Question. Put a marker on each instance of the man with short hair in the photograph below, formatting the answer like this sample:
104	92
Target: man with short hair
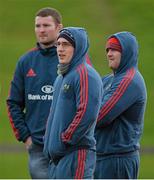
69	137
31	90
121	117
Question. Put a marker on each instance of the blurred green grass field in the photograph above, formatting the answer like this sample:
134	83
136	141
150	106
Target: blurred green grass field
101	18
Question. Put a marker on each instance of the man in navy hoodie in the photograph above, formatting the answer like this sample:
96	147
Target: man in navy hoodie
31	90
121	117
69	137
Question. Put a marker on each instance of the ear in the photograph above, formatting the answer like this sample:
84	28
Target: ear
60	26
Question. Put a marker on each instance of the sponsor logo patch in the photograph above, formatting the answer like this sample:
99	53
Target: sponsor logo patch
31	73
47	89
39	97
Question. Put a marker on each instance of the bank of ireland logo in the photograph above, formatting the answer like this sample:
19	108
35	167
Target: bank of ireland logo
48	89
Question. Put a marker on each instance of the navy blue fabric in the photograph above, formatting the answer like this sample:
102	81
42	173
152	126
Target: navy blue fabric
120	125
75	166
31	93
76	104
117	167
121	117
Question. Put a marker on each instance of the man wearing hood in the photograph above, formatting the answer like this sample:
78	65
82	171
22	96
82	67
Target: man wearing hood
69	137
120	121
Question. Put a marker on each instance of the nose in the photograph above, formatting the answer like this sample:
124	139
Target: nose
41	29
60	48
109	53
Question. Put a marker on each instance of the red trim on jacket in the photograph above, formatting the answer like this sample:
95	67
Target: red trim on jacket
117	94
33	49
67	135
81	164
88	61
16	132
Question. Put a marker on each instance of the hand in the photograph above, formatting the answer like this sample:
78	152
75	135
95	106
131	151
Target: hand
28	142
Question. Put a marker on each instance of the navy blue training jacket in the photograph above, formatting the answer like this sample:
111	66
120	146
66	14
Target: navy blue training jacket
121	117
76	103
31	93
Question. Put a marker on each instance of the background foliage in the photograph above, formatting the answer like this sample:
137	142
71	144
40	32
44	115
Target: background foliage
101	18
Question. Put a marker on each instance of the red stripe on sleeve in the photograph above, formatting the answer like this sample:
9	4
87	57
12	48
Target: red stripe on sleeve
88	61
16	132
117	94
67	135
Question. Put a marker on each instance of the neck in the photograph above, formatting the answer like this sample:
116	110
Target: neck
46	45
63	68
